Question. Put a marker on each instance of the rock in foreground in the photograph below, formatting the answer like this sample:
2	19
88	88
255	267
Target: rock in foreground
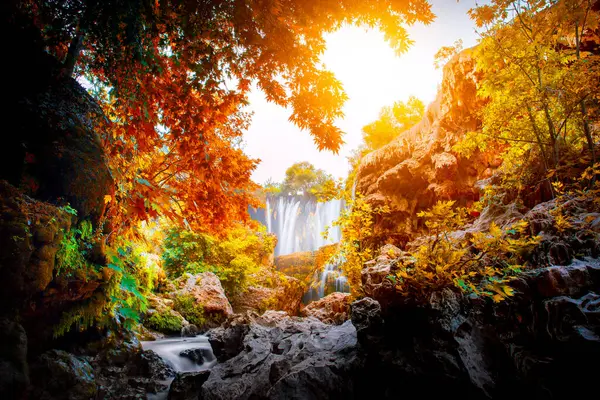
281	357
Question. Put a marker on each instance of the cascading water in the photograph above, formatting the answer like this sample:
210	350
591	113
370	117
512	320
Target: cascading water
183	354
298	222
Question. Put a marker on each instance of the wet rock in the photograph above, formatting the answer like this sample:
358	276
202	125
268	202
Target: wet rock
331	309
190	330
155	367
14	371
287	357
61	375
199	356
187	386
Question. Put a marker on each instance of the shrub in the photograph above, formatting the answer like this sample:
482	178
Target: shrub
234	258
481	264
186	305
164	321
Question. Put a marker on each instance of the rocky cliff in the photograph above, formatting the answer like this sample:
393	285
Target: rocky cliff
419	167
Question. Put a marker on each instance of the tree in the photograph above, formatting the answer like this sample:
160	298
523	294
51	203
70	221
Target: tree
537	81
392	122
173	77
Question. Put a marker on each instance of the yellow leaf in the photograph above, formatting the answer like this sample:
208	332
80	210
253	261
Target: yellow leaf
107	199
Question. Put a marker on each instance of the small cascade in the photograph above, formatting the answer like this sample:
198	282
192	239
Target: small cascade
332	279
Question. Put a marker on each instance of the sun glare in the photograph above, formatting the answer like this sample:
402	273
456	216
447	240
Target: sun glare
374	76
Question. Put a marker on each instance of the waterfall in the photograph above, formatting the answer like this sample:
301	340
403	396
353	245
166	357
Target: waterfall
298	222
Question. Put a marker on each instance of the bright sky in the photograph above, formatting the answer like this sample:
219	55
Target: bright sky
373	77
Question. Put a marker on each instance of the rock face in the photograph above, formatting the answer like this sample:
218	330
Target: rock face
331	309
277	292
61	375
419	167
528	346
281	357
54	151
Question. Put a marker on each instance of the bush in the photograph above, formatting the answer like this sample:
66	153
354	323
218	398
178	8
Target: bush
165	321
233	258
481	264
187	307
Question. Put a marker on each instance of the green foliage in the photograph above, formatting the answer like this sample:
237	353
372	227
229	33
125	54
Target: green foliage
187	307
392	122
304	177
73	248
164	321
481	263
356	223
234	258
539	86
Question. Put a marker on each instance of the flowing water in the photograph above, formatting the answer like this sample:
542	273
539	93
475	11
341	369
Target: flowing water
298	222
170	349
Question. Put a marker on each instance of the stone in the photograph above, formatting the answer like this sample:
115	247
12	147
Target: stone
14	371
331	309
190	330
288	358
199	356
187	385
207	292
60	375
155	367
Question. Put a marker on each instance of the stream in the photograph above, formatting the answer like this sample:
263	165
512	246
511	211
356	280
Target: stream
199	357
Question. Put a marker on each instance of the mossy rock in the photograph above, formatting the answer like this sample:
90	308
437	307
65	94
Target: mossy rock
165	321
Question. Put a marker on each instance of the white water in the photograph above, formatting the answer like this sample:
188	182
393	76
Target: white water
169	349
299	222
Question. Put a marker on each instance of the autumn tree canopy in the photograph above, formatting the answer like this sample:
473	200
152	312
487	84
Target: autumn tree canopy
393	120
173	78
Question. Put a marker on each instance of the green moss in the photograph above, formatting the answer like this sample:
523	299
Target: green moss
194	313
165	322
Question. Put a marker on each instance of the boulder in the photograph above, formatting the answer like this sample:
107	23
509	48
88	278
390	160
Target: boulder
161	317
281	357
199	356
207	292
155	367
190	330
331	309
187	385
61	375
14	371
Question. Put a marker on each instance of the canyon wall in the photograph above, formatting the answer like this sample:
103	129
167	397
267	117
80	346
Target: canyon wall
419	167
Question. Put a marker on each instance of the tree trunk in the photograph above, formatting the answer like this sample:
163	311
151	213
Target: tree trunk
586	124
